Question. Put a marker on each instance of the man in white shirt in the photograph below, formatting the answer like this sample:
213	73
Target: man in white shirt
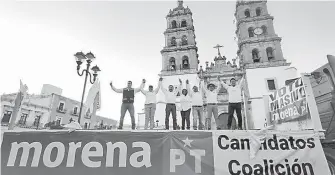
234	99
170	97
150	104
197	106
128	101
185	102
212	103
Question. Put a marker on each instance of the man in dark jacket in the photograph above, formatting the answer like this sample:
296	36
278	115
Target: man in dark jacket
128	101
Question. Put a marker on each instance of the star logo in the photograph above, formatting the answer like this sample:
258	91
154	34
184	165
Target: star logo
187	142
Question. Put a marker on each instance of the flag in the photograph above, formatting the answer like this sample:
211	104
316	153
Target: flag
93	99
23	88
17	104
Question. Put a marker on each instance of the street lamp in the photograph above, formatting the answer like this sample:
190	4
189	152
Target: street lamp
89	57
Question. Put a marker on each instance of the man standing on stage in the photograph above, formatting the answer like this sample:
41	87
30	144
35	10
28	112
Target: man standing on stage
128	101
235	99
170	97
150	104
212	103
197	106
185	103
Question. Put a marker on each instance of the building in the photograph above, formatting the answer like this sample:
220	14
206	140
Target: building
261	57
260	61
322	81
35	110
179	56
38	110
225	70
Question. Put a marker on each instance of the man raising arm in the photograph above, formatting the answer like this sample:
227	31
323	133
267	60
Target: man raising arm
128	101
170	97
234	99
150	104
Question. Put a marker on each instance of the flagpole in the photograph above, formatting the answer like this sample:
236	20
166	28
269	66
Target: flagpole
16	109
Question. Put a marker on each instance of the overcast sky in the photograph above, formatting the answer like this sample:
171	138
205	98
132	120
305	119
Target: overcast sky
38	41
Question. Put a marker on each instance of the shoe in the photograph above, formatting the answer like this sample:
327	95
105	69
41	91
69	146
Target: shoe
240	128
119	128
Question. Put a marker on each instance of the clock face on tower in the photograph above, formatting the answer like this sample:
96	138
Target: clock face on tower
258	31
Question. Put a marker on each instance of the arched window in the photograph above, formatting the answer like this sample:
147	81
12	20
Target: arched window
183	23
255	55
258	11
186	64
265	32
184	40
269	53
173	41
247	13
251	31
172	62
174	24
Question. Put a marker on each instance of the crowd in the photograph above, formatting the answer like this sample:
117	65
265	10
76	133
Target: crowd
189	100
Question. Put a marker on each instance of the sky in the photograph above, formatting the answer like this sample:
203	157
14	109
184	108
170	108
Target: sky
39	38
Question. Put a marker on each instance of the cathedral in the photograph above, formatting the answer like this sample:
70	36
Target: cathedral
259	60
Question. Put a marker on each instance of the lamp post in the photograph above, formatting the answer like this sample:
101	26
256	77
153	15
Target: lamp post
89	57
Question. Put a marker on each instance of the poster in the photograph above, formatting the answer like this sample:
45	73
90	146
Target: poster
288	104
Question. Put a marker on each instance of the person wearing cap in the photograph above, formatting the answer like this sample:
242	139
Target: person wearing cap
235	100
150	104
170	97
197	106
185	102
128	101
211	93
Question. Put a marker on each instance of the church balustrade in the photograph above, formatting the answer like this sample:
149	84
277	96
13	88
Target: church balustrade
273	63
178	71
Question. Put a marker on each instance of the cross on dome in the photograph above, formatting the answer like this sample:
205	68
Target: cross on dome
218	47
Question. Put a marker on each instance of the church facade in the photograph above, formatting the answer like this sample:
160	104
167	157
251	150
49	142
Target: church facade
259	56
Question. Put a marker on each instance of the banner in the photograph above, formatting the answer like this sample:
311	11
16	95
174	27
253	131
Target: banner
271	153
162	153
288	104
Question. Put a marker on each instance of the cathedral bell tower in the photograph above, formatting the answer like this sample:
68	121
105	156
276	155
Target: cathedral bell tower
179	56
261	57
258	43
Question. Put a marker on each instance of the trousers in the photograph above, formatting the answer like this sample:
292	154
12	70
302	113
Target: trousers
170	108
149	110
197	113
185	117
130	108
212	110
231	108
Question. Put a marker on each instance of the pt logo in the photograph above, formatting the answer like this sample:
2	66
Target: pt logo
178	157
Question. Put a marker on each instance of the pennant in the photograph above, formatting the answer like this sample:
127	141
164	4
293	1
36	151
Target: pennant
17	104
